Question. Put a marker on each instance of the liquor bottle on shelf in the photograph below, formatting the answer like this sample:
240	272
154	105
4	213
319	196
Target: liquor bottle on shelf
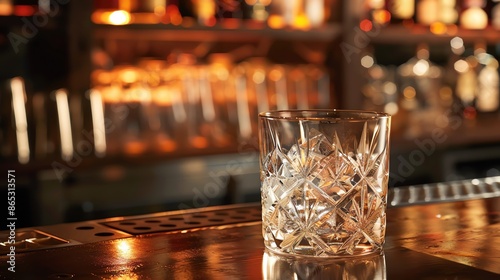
448	12
427	12
447	94
315	12
466	85
205	11
258	9
487	99
379	89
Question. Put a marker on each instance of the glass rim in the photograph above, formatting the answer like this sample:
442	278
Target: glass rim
324	114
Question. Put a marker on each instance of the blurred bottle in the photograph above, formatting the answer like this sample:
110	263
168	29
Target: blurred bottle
466	85
379	90
316	12
205	11
424	76
258	9
448	13
487	99
427	12
448	93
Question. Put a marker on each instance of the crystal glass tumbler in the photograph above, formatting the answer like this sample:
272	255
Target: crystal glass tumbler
324	178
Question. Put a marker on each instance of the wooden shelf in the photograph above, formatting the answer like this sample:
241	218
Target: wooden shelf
398	34
220	32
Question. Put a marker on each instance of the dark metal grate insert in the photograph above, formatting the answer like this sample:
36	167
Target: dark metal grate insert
188	220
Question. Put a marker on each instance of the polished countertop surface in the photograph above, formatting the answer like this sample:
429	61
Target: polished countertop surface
457	239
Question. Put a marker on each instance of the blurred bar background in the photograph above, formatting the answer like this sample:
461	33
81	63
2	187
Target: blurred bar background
128	107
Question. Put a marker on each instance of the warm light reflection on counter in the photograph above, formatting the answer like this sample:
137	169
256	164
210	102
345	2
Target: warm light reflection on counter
125	249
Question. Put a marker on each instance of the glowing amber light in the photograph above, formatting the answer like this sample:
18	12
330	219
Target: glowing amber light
409	93
276	22
166	145
199	142
173	15
438	28
118	18
123	248
452	29
301	22
366	25
381	16
135	147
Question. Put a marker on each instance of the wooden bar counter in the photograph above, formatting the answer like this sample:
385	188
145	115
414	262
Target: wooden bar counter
440	231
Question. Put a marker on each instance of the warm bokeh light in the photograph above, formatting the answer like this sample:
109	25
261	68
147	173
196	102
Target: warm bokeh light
390	88
135	148
474	18
6	9
421	67
366	25
461	66
199	142
367	61
123	248
381	16
438	28
452	29
276	21
118	18
409	92
301	22
391	108
457	45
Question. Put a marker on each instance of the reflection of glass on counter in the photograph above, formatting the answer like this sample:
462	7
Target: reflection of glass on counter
280	267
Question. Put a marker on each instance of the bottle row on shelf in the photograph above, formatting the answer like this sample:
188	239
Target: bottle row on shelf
466	86
276	13
156	107
468	14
